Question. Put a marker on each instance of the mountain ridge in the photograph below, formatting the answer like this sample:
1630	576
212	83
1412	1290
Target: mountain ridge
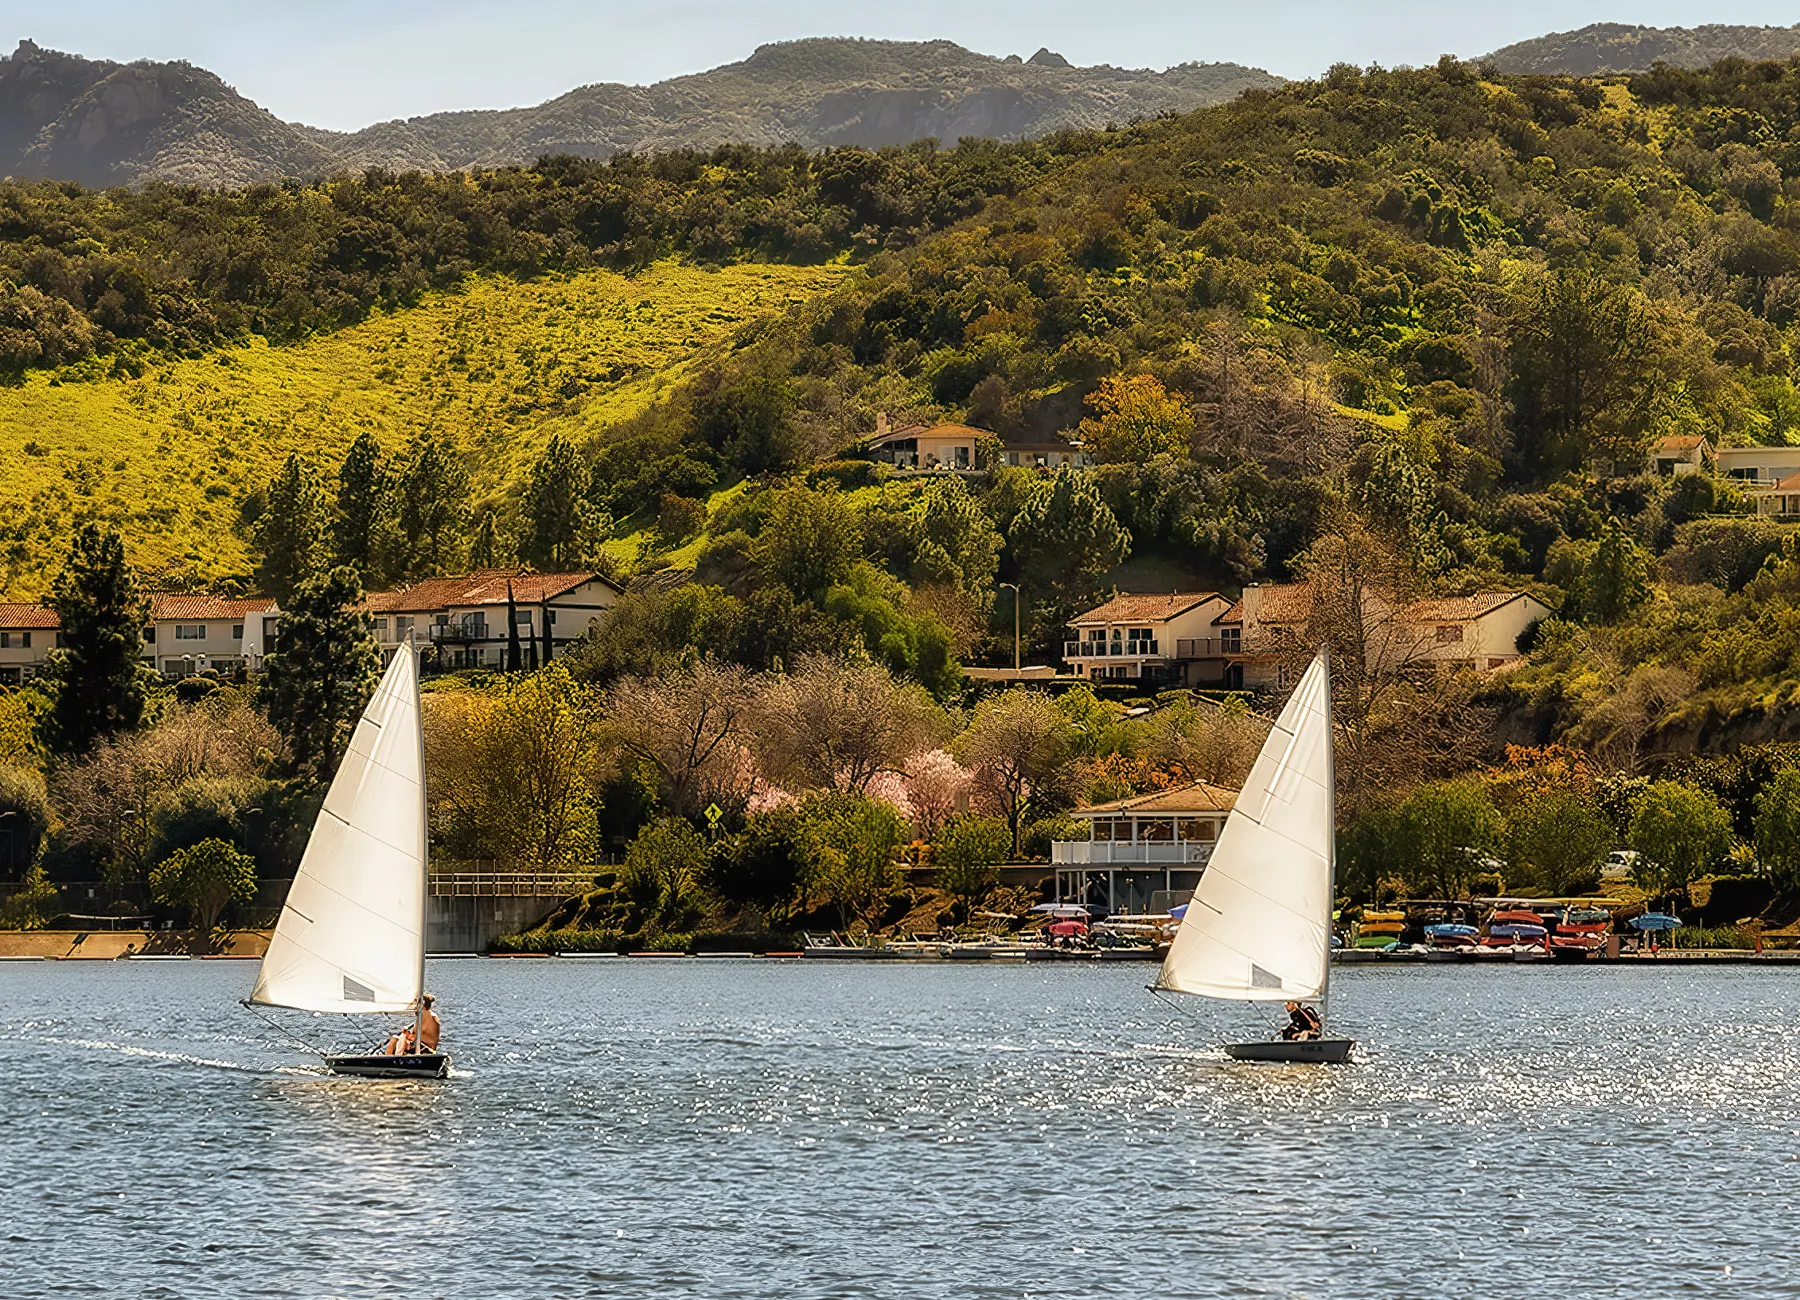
100	123
1601	48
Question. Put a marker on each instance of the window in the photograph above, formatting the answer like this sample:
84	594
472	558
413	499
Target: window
1196	831
381	628
190	631
1103	830
1139	634
522	617
1231	640
1157	831
550	617
5	640
403	623
150	633
237	631
1449	635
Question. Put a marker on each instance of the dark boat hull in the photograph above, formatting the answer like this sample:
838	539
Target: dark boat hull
1305	1051
422	1065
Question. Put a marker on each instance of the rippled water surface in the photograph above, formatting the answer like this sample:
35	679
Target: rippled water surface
796	1129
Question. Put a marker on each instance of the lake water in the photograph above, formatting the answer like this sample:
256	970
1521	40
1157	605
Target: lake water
797	1129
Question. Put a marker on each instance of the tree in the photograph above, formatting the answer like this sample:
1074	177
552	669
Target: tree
1136	418
205	878
1018	745
835	724
1065	539
967	854
764	865
750	422
691	727
486	549
98	684
808	543
433	492
363	498
1778	827
293	531
1604	579
514	771
513	657
314	688
1679	833
856	863
24	819
1449	826
1560	840
663	875
958	545
553	500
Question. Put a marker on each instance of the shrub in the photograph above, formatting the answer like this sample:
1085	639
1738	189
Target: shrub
968	852
204	878
560	940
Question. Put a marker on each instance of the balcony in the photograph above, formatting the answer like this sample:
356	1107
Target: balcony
1109	853
465	633
1207	647
1112	649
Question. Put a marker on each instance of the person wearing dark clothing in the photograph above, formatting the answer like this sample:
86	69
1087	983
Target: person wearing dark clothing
1303	1022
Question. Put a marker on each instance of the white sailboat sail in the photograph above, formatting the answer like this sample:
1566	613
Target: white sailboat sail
1259	926
352	934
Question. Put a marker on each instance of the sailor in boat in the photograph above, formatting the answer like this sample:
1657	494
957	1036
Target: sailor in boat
1303	1023
405	1044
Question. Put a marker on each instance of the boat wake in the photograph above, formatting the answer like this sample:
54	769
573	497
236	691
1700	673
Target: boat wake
181	1058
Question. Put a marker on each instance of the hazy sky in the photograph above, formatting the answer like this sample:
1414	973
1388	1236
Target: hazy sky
340	64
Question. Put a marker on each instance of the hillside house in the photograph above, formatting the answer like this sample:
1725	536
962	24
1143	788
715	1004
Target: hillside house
1145	853
1754	467
191	634
1044	453
1267	631
935	448
27	635
465	617
1166	640
1777	500
1684	453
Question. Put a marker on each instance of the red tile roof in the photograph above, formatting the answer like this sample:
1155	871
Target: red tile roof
1284	602
27	616
1200	796
1681	442
1150	608
165	605
1457	609
1789	484
483	587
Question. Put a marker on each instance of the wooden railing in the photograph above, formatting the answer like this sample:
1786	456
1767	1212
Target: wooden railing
510	884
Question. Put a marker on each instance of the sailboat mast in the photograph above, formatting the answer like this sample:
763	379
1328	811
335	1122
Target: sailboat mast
1330	836
425	846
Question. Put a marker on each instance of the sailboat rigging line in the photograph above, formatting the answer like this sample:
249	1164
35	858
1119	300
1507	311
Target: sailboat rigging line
283	1030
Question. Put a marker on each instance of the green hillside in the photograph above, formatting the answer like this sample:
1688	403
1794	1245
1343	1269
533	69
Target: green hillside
497	369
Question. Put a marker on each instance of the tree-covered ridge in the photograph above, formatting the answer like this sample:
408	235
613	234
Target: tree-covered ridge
85	273
1625	47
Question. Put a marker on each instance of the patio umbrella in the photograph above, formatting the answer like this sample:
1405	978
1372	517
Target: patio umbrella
1070	910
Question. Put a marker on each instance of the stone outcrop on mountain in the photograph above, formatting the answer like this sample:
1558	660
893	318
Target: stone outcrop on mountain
67	118
1620	47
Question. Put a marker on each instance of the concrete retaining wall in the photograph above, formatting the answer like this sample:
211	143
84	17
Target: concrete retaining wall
471	924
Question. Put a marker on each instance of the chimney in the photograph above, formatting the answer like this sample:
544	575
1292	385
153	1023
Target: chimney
881	424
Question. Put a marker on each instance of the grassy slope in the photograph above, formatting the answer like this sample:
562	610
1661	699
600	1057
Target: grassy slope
497	369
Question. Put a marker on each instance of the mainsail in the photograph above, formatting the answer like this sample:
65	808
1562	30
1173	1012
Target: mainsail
352	935
1259	926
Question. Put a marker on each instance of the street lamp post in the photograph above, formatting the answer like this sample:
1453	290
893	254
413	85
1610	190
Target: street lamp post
1015	592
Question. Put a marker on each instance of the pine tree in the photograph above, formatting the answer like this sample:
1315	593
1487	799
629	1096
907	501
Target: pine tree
433	510
315	686
291	532
1065	539
485	551
362	505
99	684
553	507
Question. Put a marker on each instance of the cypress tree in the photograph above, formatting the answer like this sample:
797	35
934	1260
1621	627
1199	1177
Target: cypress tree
362	504
292	530
315	686
100	686
512	631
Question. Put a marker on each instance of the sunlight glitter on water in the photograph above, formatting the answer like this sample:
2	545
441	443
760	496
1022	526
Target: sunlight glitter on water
752	1129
